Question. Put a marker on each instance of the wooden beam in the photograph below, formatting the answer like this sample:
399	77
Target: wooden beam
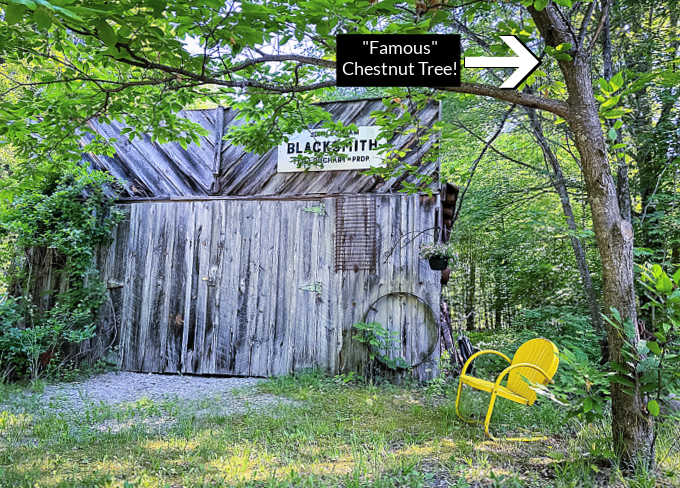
304	196
217	155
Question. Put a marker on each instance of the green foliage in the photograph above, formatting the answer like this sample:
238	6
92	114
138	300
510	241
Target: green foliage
438	385
380	343
584	385
513	243
69	214
560	52
662	353
351	377
569	327
11	355
650	367
65	217
398	118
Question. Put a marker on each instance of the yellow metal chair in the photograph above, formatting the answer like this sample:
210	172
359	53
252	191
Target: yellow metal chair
536	360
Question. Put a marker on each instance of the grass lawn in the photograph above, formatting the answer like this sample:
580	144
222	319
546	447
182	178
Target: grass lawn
333	435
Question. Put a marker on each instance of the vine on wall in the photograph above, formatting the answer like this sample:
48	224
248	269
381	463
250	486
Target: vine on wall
51	230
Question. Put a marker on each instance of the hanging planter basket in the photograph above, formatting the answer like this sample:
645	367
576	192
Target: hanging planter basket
438	263
437	254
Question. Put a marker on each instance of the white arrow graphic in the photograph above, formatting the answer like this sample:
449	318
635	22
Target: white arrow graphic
525	62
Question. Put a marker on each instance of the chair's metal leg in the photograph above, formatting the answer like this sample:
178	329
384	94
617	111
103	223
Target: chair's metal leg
487	421
460	387
489	413
458	395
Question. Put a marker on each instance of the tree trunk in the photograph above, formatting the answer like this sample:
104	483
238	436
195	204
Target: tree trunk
470	293
622	183
497	307
560	186
632	429
445	324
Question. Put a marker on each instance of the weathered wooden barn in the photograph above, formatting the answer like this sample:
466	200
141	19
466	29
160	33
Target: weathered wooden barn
226	265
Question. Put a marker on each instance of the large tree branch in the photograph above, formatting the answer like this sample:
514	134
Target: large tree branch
556	107
603	18
553	28
279	58
584	25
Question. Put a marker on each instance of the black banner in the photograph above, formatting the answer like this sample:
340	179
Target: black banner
398	60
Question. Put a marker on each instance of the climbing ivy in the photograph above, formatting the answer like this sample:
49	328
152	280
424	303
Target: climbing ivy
63	216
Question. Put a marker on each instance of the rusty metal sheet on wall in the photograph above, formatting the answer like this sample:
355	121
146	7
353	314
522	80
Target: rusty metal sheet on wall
355	233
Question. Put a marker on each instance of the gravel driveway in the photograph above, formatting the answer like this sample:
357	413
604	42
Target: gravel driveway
120	387
147	399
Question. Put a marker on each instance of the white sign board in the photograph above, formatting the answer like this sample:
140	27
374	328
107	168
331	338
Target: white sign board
361	153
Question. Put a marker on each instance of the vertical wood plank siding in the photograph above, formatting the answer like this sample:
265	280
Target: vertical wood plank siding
248	287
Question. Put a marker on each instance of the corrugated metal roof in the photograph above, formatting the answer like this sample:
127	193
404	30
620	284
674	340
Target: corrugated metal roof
149	169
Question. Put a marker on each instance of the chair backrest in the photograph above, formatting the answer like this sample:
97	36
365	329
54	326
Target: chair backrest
543	354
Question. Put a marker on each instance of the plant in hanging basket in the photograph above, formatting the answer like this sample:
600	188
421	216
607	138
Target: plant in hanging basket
438	263
438	255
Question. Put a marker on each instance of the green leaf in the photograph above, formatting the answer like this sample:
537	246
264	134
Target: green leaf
641	347
159	5
617	81
653	408
540	4
106	33
42	17
587	404
604	85
629	330
13	13
564	3
664	284
676	277
653	346
65	12
609	103
612	134
615	113
622	380
30	4
648	364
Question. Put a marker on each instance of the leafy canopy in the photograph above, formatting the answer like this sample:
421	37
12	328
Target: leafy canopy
69	61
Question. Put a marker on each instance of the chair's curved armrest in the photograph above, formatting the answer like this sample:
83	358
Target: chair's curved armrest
479	353
507	371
